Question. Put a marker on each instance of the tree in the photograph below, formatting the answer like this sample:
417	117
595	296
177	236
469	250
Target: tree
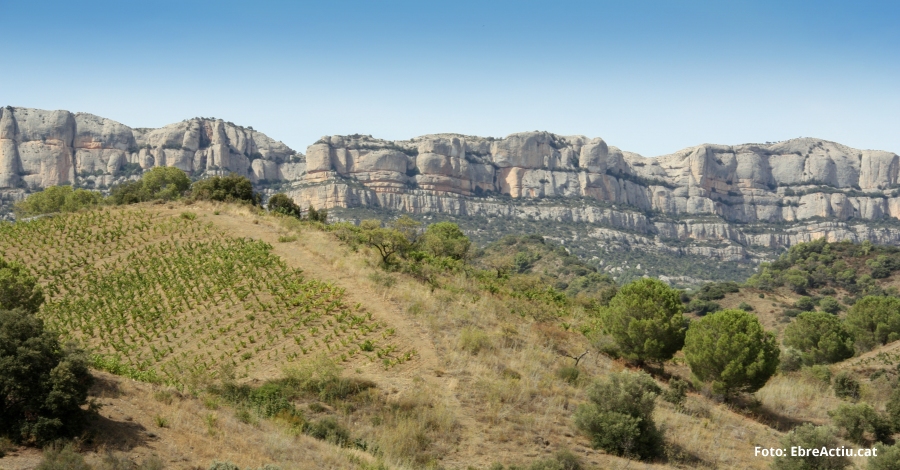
225	188
42	385
57	199
874	321
165	182
445	239
731	350
820	337
18	288
386	241
809	436
618	416
646	321
282	204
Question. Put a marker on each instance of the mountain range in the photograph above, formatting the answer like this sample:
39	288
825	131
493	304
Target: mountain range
709	205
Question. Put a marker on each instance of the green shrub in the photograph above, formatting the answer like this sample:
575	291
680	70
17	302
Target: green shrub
829	305
809	436
445	239
328	429
18	288
858	419
231	188
874	321
887	458
646	321
62	458
820	337
702	307
676	393
745	307
731	350
563	460
6	446
57	199
282	204
619	415
805	304
42	385
893	408
165	182
845	386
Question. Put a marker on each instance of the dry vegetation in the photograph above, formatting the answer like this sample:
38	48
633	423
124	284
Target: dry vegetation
487	382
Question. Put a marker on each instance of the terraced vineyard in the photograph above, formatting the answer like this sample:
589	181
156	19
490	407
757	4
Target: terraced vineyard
170	299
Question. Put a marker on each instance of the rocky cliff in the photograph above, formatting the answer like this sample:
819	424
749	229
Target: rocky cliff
737	203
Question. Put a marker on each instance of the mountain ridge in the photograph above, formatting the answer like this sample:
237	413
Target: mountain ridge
737	203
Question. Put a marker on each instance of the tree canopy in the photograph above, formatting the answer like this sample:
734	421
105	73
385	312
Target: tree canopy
730	349
820	337
646	321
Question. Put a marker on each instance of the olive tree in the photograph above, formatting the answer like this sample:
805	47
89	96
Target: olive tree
646	321
730	350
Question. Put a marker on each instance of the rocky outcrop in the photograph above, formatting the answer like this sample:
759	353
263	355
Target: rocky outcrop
44	148
726	202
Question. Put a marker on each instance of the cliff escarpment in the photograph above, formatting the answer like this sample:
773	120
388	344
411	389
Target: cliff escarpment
734	203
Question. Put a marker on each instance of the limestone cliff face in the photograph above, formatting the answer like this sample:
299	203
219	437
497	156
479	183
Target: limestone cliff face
44	148
738	198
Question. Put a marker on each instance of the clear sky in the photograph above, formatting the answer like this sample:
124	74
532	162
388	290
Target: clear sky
647	76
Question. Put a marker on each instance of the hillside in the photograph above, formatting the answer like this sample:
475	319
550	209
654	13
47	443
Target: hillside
710	212
451	403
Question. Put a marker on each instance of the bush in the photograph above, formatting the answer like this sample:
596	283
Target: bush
473	340
820	337
677	392
62	458
859	419
845	386
703	307
563	460
893	408
887	458
569	374
42	385
619	415
829	305
445	239
231	188
874	321
282	204
809	436
328	429
160	182
646	321
745	307
805	304
165	182
730	349
18	288
57	199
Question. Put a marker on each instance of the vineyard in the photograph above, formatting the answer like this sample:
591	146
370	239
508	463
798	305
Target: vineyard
170	299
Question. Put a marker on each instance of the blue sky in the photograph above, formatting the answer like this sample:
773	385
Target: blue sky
647	76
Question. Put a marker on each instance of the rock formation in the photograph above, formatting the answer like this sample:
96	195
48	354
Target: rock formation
742	199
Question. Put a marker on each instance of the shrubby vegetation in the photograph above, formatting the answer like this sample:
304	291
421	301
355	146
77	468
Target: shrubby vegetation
874	321
231	188
42	383
820	337
809	436
57	199
619	415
